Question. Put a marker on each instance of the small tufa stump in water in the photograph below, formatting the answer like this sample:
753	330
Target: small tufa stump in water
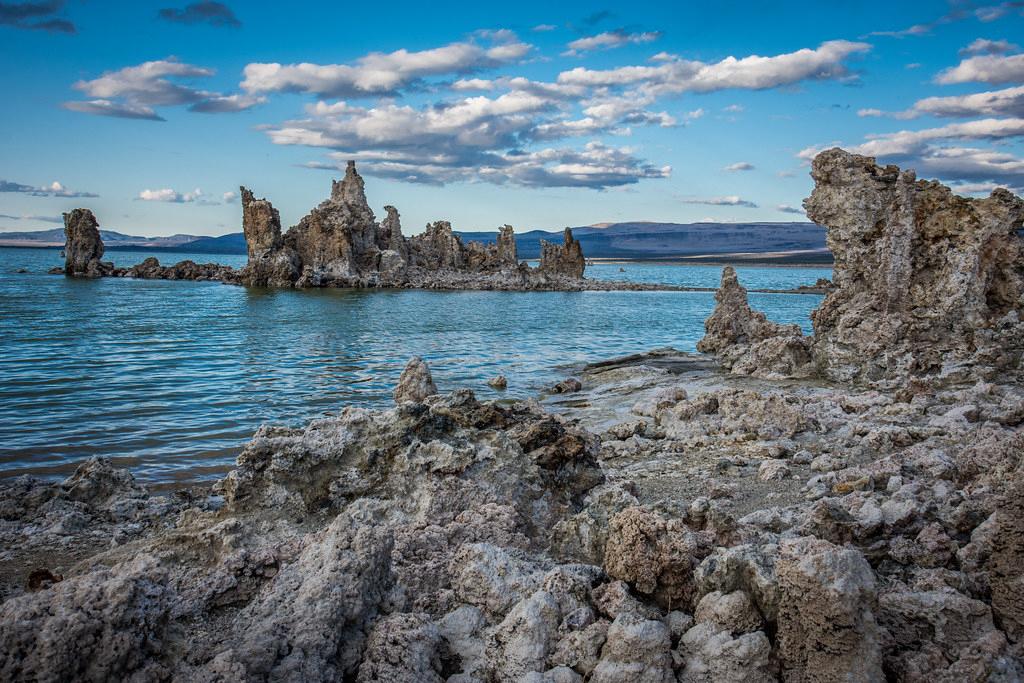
416	383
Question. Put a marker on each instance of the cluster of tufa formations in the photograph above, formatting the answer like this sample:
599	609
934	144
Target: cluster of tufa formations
657	520
340	244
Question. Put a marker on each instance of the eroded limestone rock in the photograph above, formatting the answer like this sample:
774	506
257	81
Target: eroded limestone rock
562	259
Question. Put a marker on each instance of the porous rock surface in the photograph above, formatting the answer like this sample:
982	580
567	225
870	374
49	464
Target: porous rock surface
83	246
340	244
928	286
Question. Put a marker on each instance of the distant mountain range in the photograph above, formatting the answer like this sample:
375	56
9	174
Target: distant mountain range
637	240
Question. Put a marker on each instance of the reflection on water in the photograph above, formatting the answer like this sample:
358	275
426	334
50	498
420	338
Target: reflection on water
171	378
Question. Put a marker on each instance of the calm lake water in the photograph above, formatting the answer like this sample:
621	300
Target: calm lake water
172	378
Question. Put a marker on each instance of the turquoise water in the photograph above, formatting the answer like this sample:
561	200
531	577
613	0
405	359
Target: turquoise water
171	378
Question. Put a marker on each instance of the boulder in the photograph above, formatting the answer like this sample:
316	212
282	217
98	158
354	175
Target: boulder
416	383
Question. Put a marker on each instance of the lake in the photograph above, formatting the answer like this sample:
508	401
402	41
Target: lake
172	378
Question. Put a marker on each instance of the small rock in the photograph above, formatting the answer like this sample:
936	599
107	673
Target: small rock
498	382
416	383
567	386
773	470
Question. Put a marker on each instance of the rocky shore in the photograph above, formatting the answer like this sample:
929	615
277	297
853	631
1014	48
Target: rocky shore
845	507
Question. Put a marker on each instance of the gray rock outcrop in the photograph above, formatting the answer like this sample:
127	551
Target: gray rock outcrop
340	244
564	259
928	286
83	247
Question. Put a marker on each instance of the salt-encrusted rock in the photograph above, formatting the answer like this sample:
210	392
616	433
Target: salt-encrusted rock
109	624
746	342
269	262
734	612
1006	563
713	654
525	638
927	283
498	382
406	648
826	627
564	259
83	246
416	383
635	649
654	555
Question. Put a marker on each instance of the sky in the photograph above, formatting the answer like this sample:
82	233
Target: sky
537	114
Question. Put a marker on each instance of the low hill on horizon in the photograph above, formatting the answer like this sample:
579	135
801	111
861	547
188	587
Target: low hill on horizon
628	240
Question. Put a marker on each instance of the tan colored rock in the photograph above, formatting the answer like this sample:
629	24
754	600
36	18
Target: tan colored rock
416	383
655	555
746	342
565	259
927	283
826	628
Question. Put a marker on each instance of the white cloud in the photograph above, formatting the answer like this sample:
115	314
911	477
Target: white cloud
733	108
473	84
172	197
786	208
543	28
54	189
133	91
33	217
752	73
596	166
610	40
229	197
729	200
219	104
739	166
992	69
1006	102
981	188
120	110
380	73
982	46
925	151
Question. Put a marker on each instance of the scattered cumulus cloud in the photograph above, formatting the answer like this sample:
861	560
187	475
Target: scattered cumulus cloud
982	46
543	28
939	152
739	166
172	197
729	200
133	91
35	16
989	68
733	108
786	208
1006	102
212	13
958	12
32	217
609	40
54	189
229	197
380	73
826	62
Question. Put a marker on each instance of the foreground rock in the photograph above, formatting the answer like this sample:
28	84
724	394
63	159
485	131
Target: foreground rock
928	286
448	539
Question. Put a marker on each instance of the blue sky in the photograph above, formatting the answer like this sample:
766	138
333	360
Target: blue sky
539	115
